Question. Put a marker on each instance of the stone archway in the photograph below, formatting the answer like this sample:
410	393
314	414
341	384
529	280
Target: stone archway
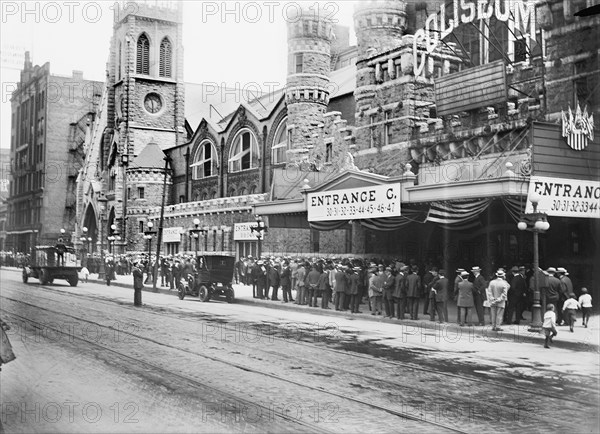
90	221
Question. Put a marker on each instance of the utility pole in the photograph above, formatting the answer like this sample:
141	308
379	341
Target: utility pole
160	223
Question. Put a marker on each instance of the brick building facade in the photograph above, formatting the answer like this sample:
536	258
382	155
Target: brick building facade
51	116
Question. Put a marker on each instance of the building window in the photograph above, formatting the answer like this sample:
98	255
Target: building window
387	128
299	58
280	144
181	198
143	55
119	60
128	192
140	192
372	136
141	226
165	58
244	152
205	161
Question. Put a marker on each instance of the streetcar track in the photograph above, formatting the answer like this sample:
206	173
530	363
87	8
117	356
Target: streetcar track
404	365
374	380
314	428
389	410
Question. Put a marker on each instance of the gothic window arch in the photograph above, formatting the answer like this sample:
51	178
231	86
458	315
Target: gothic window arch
143	55
280	143
244	151
166	58
205	161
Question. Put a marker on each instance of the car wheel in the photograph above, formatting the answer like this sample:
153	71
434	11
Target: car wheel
43	277
180	291
73	281
203	293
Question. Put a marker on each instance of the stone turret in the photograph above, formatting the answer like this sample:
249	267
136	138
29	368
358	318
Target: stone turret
308	85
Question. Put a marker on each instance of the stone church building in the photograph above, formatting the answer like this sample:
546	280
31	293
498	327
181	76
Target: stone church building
440	121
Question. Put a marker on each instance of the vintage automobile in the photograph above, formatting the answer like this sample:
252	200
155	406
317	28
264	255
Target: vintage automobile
52	262
213	279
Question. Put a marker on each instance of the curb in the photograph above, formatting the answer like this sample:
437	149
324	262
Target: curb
517	334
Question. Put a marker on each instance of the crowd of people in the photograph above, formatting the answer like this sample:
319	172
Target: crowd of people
394	289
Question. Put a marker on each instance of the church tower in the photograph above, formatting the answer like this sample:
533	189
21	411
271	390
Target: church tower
145	107
307	90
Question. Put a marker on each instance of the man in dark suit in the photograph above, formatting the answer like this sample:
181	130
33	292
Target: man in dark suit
400	290
479	285
285	279
340	287
138	284
440	299
413	292
519	283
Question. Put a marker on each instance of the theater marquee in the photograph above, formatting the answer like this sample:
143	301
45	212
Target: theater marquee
565	197
354	204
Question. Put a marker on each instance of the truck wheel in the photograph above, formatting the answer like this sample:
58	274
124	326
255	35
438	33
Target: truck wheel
203	294
73	280
230	295
25	276
43	277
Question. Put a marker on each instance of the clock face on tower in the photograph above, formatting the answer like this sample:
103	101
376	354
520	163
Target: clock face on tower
153	103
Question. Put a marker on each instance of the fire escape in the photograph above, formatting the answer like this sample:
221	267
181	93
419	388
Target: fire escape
79	130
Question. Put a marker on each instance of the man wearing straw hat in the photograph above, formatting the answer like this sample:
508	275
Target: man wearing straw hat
497	293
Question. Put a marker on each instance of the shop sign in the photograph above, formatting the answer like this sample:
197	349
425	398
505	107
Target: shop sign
357	203
172	235
578	129
481	86
242	232
563	197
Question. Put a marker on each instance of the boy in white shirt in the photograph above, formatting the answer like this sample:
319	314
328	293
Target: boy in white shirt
585	301
570	310
549	325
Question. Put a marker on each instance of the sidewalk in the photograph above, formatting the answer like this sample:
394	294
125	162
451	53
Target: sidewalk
581	339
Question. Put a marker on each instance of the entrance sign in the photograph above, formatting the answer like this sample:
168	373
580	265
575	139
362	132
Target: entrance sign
565	197
438	26
172	235
353	204
242	232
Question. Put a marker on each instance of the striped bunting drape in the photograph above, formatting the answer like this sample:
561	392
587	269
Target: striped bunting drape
457	215
514	207
328	225
392	223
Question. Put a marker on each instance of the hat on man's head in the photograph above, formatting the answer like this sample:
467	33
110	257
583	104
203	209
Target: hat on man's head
460	270
442	272
562	270
515	269
464	274
500	272
551	270
476	269
522	267
388	268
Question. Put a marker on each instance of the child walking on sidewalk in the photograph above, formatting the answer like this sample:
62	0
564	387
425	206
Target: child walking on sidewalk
585	301
570	310
549	325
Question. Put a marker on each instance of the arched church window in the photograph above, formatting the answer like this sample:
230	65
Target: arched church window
280	144
244	152
165	58
143	55
205	161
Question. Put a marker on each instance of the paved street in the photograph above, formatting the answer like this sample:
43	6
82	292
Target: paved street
88	361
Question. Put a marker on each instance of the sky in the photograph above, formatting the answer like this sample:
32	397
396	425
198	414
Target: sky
229	43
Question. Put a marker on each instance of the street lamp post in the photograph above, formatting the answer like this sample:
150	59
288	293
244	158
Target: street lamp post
195	233
148	235
536	222
112	238
85	242
102	201
259	228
